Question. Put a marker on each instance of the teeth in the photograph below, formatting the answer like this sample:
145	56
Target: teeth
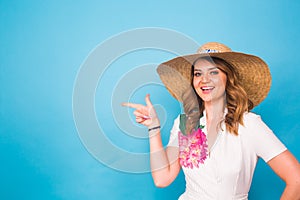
207	88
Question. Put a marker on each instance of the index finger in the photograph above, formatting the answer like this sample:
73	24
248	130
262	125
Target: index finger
132	105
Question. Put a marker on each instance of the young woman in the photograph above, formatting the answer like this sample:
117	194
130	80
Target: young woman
217	141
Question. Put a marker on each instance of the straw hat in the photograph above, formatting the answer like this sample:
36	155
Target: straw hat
253	73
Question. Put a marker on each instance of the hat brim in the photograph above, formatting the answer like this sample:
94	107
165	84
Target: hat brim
253	73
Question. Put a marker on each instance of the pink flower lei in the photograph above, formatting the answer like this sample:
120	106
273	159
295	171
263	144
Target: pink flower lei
192	146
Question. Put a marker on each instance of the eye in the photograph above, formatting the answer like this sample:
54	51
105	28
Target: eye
197	74
214	72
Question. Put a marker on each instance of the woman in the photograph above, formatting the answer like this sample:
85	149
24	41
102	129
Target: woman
218	140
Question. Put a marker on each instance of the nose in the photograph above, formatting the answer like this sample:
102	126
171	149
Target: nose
205	78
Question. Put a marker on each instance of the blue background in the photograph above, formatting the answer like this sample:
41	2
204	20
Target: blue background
44	43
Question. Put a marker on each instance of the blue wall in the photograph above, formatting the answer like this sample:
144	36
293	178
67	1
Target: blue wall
44	49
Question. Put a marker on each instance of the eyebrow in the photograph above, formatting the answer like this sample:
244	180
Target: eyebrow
212	68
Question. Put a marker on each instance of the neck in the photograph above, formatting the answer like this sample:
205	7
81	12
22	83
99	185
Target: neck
214	110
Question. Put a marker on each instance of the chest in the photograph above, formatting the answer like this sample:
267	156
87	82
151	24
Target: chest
224	163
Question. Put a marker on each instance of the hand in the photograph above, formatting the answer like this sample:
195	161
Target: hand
145	115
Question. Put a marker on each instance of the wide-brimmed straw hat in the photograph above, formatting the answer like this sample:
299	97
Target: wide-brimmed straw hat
253	73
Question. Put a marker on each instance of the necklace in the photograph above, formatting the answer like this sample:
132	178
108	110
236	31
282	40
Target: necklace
193	148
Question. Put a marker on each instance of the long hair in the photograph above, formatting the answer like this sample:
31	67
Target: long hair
237	101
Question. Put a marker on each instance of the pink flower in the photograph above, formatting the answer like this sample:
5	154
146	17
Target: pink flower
192	148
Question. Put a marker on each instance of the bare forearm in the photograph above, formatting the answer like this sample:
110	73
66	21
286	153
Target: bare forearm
158	158
291	192
163	162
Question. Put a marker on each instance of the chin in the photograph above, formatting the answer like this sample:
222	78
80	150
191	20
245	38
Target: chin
207	99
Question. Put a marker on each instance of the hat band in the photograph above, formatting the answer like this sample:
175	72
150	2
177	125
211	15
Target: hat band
209	51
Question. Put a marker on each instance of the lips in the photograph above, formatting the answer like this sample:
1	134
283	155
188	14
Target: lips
207	88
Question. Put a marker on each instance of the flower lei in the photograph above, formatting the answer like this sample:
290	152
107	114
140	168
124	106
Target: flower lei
192	146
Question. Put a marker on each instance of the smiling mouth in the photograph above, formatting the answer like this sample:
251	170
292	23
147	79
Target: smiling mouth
207	88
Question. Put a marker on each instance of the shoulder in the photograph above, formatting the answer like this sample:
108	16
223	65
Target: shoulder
253	124
176	122
251	116
177	119
259	137
180	116
251	119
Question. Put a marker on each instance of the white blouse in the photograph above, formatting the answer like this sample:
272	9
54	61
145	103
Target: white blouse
227	172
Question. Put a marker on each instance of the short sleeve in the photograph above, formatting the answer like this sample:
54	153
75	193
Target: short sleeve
264	142
173	140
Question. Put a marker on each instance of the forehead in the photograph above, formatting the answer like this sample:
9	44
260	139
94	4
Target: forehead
204	64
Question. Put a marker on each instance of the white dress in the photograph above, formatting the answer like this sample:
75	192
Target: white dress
227	172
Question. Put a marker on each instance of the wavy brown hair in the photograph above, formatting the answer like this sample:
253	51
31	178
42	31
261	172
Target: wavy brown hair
237	101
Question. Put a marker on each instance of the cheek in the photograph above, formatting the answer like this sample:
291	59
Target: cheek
195	82
220	81
224	81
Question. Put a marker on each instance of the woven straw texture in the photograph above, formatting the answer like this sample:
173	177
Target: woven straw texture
253	73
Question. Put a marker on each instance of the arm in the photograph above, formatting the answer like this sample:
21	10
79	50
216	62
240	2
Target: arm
286	166
164	162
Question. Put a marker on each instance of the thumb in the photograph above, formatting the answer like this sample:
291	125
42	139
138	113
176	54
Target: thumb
147	100
152	112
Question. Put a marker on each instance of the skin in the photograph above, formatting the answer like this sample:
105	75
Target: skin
207	75
165	163
209	83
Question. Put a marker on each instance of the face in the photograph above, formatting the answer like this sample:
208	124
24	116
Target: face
209	81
